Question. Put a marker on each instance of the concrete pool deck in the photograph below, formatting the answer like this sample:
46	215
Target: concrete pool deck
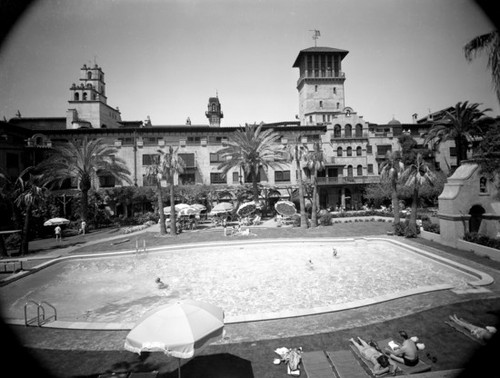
77	339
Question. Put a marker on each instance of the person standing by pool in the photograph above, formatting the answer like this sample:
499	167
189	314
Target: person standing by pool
407	353
57	231
224	225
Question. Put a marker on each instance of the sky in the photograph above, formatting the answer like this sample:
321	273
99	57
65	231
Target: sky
165	58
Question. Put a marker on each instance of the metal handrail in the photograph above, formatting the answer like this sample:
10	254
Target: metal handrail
26	321
40	313
52	307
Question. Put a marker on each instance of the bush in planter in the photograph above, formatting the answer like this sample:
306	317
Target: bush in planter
474	237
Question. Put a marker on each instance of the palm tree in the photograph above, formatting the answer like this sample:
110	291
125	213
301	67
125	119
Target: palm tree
296	151
315	161
85	161
165	166
390	170
462	124
491	43
28	191
250	149
414	176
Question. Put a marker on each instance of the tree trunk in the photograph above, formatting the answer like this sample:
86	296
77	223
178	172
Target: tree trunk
461	152
163	228
302	202
414	206
3	248
255	188
173	220
24	247
85	204
395	203
314	210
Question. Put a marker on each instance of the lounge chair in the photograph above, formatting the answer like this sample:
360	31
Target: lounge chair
317	365
346	365
421	367
465	332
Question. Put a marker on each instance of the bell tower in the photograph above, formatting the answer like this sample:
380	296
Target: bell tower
88	102
214	112
320	84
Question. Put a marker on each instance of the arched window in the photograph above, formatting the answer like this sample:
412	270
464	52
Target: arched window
321	104
349	171
348	131
359	130
360	170
214	107
358	151
339	151
89	75
337	131
349	151
84	96
77	96
93	96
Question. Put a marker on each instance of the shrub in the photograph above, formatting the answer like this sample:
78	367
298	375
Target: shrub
474	237
430	227
404	229
325	219
13	241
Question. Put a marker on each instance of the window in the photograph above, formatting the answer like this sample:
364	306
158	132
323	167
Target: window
324	117
315	88
77	96
89	75
150	159
236	178
382	150
188	160
193	141
369	149
339	151
337	131
358	151
280	176
348	131
338	105
453	151
216	158
321	104
349	151
84	96
334	90
349	171
150	140
359	130
214	139
310	119
313	138
217	178
359	169
106	181
214	107
370	168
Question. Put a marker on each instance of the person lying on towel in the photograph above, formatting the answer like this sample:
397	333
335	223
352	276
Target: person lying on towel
381	363
407	353
480	333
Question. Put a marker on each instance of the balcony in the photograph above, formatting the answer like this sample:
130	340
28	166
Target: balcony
353	137
346	180
318	74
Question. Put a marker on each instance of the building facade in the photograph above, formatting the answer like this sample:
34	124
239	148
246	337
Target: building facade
354	148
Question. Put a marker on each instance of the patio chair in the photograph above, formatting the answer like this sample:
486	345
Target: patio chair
316	364
346	365
257	220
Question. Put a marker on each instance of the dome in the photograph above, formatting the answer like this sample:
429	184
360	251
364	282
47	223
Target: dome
394	121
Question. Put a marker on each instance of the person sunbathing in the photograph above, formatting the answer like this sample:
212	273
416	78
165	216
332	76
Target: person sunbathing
480	333
381	363
407	353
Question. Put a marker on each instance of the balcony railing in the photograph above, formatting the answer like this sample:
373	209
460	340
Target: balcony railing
348	180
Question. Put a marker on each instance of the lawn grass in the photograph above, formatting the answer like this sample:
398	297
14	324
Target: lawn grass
254	359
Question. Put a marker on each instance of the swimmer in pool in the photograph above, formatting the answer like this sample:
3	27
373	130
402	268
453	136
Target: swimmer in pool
160	284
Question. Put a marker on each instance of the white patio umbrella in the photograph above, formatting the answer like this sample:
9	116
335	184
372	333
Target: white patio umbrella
56	222
198	206
285	208
222	207
181	329
246	209
177	208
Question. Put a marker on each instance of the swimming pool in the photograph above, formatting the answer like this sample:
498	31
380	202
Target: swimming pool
249	280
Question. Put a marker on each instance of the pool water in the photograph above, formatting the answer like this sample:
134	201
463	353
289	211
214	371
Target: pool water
272	278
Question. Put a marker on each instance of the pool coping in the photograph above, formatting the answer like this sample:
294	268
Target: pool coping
484	279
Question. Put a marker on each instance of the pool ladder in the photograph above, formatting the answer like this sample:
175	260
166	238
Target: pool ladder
40	318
